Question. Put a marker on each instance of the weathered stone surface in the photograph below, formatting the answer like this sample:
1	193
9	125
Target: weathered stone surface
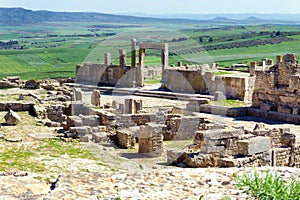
288	139
259	126
90	120
126	139
151	139
96	98
173	155
73	121
218	96
32	84
266	106
12	118
218	134
81	131
254	145
256	160
196	160
99	137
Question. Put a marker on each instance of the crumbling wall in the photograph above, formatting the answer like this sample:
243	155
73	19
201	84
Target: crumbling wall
90	73
195	81
182	80
215	146
278	88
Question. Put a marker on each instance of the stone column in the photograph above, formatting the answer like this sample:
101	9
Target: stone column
252	68
133	63
140	69
165	61
151	139
179	64
278	59
107	59
133	52
138	106
141	57
122	53
263	67
128	106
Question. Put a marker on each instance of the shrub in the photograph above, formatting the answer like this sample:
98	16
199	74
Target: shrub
268	186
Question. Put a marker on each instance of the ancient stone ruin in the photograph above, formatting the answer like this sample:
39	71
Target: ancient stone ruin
276	93
81	110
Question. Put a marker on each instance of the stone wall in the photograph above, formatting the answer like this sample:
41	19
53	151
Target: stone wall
115	75
198	81
278	88
182	128
214	146
183	80
16	106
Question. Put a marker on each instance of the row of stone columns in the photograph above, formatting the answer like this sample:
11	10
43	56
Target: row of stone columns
138	73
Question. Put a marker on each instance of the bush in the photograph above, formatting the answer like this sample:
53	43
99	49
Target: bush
268	186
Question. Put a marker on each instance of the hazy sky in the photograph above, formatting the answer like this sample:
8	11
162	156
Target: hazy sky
160	6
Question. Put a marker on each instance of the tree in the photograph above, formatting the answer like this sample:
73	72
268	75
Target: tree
200	39
210	39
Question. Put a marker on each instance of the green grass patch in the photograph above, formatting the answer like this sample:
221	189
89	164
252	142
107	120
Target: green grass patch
18	158
268	186
228	103
23	157
150	81
220	73
57	148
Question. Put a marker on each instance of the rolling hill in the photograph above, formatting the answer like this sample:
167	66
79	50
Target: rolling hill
21	16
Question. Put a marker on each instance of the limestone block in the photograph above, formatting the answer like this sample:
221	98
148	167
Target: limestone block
90	120
284	109
73	121
173	155
254	145
151	139
32	84
222	134
12	118
218	95
288	139
126	139
81	131
196	160
288	99
99	137
266	106
84	138
295	111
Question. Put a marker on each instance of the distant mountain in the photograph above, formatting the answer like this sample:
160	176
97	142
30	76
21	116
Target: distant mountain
221	19
241	16
21	16
252	18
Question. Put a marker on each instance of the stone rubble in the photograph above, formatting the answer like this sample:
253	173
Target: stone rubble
212	183
12	118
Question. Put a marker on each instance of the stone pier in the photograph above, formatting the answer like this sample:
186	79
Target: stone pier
122	53
252	68
151	139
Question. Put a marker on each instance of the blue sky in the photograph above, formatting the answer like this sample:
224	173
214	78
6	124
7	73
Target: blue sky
160	6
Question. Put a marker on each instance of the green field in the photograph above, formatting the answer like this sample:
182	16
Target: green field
51	50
